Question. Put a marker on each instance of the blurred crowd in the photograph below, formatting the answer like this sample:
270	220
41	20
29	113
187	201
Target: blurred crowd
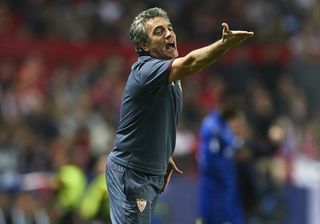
80	20
59	118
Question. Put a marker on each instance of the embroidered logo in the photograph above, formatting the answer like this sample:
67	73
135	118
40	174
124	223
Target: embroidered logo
141	203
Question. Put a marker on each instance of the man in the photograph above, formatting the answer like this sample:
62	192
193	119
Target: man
221	134
140	165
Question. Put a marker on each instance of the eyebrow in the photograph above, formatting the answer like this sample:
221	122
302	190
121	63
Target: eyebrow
168	25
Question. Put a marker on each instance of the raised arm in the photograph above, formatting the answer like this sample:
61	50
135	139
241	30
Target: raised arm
201	58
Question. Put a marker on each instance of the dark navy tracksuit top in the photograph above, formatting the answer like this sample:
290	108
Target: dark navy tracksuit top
150	110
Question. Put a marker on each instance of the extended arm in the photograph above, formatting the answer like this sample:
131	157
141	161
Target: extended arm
201	58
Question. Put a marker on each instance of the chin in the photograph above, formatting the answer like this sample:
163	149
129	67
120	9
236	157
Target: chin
173	55
176	54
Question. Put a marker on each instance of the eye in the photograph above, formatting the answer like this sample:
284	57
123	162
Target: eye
158	31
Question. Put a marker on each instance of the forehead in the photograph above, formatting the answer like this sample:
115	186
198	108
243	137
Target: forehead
155	22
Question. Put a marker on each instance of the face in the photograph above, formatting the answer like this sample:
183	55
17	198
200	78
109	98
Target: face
238	125
162	42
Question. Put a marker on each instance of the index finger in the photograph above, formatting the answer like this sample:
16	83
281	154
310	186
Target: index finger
174	166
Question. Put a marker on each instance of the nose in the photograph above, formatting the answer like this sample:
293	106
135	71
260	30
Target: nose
169	33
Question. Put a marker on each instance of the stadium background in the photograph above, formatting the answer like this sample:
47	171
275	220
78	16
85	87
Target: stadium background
63	65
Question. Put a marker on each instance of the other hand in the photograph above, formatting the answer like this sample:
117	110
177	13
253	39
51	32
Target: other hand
171	167
232	38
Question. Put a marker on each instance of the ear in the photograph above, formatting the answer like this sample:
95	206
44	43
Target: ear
145	47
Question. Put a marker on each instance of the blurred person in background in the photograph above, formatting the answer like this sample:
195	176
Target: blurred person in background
94	206
9	160
264	143
261	112
69	184
222	134
27	209
4	207
140	165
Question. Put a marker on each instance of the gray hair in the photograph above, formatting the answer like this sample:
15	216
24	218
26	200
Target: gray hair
138	32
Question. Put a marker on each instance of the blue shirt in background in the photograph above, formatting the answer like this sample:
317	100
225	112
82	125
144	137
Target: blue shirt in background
219	200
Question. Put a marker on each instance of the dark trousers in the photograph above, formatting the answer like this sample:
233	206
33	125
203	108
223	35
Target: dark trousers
133	194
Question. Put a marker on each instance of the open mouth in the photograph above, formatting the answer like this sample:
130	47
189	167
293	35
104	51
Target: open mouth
170	45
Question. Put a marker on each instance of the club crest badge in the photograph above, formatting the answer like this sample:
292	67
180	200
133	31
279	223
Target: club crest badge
141	203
